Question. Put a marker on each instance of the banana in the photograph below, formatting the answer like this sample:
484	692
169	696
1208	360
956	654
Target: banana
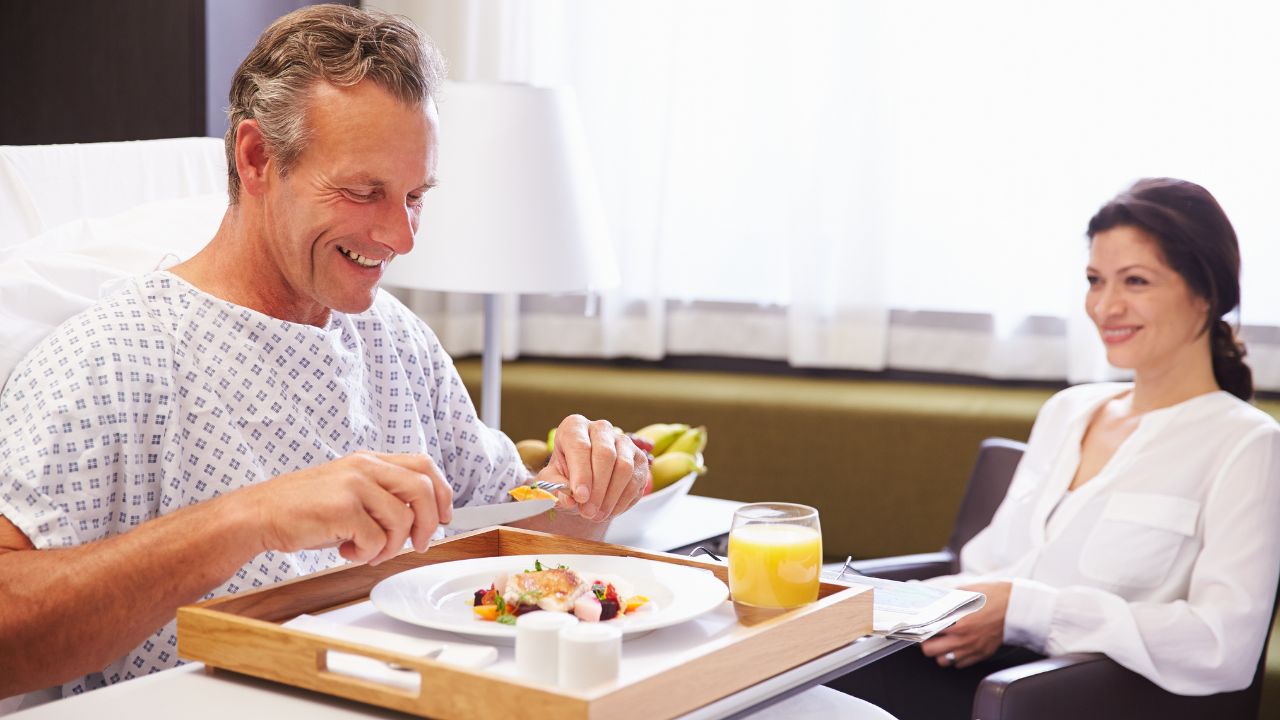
692	441
662	435
672	466
533	453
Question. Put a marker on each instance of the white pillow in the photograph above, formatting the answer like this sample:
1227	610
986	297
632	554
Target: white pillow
62	271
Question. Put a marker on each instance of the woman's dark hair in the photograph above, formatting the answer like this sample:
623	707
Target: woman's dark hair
1197	241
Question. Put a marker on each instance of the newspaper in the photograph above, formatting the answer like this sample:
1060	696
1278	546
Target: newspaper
911	610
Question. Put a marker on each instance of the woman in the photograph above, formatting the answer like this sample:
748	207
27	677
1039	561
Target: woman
1143	521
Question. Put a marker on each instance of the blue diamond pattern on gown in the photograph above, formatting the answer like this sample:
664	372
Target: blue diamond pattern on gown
162	396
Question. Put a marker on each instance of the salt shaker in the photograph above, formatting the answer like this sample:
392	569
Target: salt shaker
538	644
590	654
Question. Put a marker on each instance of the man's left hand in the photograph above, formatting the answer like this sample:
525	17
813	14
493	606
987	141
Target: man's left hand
974	637
603	471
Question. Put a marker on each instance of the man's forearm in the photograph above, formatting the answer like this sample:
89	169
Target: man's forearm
69	612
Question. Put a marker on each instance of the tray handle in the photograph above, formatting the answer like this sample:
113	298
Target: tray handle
323	673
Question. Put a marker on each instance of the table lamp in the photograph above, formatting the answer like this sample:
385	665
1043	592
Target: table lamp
516	209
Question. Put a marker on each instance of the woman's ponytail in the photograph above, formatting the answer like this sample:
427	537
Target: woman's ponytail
1229	368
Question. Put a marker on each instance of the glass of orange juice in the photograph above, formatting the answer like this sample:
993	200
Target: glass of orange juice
775	555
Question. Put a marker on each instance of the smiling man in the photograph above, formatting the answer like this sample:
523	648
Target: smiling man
262	411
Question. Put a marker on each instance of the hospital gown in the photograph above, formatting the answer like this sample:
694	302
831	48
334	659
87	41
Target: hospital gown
162	396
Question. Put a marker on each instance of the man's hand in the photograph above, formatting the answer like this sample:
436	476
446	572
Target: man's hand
603	471
975	637
366	503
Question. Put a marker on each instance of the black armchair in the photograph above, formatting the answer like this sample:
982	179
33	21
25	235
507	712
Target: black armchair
988	483
1068	687
1089	685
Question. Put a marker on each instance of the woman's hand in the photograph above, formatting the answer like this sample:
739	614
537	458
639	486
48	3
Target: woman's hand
975	637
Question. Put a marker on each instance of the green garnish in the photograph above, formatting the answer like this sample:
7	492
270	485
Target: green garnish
504	617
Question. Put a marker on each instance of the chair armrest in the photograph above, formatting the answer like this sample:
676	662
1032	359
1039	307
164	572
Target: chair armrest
906	567
1080	685
1036	689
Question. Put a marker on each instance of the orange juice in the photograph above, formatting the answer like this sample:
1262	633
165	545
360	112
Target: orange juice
774	565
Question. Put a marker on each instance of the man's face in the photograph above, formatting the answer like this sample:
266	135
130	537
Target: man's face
351	201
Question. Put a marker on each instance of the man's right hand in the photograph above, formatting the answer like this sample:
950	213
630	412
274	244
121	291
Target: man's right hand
366	503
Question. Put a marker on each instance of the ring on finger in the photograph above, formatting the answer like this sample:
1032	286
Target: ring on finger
950	657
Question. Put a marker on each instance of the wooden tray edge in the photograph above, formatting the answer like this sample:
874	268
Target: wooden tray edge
446	691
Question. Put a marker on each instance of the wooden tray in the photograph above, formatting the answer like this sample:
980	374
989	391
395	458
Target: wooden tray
242	633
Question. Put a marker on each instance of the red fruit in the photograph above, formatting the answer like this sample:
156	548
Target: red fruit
648	485
641	443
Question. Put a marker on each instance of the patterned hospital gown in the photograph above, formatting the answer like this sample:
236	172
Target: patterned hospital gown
162	396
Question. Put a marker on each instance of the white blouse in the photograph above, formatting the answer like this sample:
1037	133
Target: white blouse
1166	561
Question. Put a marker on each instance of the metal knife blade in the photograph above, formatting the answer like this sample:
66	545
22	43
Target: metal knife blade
478	516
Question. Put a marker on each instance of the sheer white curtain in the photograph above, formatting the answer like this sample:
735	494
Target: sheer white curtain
1015	121
879	183
741	226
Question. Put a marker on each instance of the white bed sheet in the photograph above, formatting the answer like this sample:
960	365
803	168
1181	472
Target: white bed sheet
45	186
76	218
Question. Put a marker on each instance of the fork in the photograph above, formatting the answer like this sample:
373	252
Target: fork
549	486
848	568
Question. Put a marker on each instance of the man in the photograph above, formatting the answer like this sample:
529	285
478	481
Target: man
260	411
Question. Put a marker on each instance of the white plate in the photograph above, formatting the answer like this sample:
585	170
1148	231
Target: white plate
440	596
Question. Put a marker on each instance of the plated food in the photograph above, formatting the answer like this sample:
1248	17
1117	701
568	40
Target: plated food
594	597
441	596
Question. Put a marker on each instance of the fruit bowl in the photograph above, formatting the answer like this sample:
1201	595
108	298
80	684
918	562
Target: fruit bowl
675	455
632	524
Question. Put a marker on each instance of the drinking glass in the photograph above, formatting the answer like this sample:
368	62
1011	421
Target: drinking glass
775	555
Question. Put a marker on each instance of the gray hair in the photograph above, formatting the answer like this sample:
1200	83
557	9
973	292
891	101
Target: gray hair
336	44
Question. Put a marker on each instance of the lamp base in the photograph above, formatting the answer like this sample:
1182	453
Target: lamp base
491	382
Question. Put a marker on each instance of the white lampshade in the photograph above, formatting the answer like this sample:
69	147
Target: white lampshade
516	209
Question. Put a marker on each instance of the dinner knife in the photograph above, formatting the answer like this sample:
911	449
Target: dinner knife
478	516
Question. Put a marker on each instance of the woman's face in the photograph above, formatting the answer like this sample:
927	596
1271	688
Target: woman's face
1146	315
